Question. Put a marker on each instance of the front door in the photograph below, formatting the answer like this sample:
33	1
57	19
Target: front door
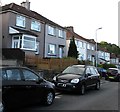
60	52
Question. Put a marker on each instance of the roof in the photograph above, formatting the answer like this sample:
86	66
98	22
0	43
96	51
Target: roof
24	31
30	13
75	35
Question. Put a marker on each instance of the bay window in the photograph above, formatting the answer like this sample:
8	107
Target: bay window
25	42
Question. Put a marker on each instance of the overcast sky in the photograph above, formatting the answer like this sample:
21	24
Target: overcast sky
84	15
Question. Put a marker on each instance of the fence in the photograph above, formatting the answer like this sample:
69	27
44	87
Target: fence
49	64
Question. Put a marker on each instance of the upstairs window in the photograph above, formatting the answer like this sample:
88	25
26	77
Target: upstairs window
88	46
35	26
51	30
20	21
60	33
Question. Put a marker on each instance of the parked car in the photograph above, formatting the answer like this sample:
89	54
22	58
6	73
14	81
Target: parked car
22	86
77	78
113	74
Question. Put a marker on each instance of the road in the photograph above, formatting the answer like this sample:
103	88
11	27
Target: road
104	99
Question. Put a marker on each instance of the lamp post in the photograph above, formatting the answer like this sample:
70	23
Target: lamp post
96	57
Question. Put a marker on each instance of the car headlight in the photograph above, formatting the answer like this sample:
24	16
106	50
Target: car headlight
75	81
54	78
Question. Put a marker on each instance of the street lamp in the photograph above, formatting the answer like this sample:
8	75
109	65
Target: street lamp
96	45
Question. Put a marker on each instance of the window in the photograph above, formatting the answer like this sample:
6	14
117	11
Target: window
51	30
88	46
60	33
26	42
29	75
29	42
35	26
81	44
88	71
37	48
84	45
3	75
16	42
51	49
77	43
20	21
13	74
92	71
93	48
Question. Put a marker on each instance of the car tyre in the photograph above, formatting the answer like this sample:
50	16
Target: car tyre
82	90
49	97
97	86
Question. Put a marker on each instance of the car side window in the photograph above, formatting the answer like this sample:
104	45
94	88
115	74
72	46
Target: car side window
92	70
2	75
29	75
13	74
88	71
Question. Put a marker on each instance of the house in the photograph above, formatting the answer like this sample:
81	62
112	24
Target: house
85	47
114	59
31	32
103	56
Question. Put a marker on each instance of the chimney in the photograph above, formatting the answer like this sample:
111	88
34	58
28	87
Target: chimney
26	4
70	28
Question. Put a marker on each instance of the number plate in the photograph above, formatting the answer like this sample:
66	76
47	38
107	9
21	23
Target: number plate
62	85
111	77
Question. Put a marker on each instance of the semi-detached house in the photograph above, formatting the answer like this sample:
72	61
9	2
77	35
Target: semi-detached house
85	47
31	32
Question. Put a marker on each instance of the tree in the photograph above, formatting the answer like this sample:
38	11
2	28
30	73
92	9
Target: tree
72	52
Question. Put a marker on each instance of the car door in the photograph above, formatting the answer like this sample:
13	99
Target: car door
12	93
88	77
94	76
34	87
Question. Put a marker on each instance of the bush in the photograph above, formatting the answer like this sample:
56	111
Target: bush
106	66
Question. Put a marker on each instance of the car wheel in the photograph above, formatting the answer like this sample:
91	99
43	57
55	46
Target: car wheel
97	86
48	100
82	90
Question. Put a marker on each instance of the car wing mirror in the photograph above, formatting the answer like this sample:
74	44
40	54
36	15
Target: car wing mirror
39	80
88	74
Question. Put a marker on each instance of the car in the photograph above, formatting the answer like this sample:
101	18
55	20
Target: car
113	74
77	78
22	86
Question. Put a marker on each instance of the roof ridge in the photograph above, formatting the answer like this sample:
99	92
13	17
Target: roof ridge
11	5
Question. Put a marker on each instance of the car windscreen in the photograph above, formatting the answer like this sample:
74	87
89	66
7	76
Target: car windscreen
74	70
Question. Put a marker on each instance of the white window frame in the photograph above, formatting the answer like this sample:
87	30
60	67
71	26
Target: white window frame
31	41
16	40
51	30
20	21
35	25
60	33
51	49
22	41
37	48
88	46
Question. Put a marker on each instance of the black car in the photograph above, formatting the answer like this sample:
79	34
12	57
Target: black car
113	74
22	86
77	78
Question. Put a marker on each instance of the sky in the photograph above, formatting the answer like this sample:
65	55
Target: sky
86	16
